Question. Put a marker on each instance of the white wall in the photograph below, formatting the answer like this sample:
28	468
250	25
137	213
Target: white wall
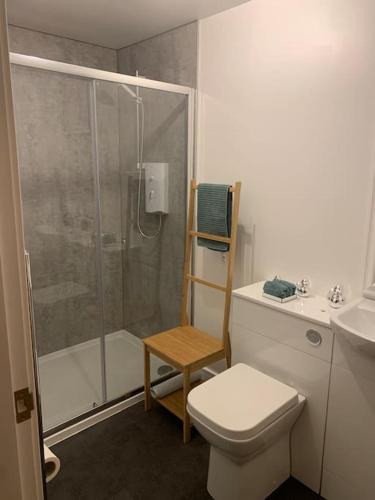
287	106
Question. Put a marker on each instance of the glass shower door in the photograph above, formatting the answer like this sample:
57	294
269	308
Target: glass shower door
106	268
142	251
57	158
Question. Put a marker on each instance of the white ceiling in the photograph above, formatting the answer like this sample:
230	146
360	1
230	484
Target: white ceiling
111	23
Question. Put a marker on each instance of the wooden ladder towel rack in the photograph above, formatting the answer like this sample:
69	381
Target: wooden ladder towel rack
185	347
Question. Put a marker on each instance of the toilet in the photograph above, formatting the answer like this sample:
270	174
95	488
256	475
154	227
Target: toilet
246	416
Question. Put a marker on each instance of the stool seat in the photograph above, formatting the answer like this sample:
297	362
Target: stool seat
186	347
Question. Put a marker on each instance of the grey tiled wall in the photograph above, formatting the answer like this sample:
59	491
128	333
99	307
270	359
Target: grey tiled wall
56	155
153	267
55	150
108	148
141	277
33	43
169	57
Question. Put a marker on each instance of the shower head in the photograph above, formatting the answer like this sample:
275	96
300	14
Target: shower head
131	93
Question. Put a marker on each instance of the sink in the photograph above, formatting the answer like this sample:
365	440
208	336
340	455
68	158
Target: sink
357	322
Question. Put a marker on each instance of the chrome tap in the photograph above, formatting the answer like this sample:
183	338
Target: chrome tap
303	287
336	296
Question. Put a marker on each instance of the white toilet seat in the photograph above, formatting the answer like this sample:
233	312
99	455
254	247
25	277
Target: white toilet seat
240	402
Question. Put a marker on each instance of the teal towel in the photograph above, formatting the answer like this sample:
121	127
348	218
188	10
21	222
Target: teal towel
276	289
214	214
291	286
279	288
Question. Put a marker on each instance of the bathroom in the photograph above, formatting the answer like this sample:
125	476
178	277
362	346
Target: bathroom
102	100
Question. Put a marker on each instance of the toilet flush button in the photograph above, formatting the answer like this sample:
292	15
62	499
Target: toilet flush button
314	337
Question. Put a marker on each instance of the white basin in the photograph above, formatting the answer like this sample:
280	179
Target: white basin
357	322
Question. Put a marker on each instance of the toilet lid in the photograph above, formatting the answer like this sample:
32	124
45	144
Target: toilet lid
240	402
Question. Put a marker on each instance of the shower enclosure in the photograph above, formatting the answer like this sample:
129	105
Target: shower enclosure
106	271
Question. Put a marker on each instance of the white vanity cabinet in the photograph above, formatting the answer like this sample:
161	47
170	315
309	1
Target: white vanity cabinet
291	342
349	456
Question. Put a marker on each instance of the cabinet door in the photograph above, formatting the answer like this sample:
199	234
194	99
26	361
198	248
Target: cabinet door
310	376
349	455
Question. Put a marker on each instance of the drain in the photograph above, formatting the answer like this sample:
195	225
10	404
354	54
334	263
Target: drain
164	369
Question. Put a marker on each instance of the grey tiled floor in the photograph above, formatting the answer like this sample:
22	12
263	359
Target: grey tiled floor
140	456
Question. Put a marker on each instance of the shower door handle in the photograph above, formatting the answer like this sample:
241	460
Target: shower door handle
30	298
28	272
37	398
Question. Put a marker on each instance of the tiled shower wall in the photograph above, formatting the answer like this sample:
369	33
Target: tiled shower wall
169	57
153	266
56	155
153	269
34	43
142	290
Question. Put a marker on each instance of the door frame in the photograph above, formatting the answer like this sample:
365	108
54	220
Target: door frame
369	277
20	450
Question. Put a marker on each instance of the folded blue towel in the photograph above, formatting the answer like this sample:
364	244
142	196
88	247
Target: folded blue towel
276	289
291	286
214	214
279	288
